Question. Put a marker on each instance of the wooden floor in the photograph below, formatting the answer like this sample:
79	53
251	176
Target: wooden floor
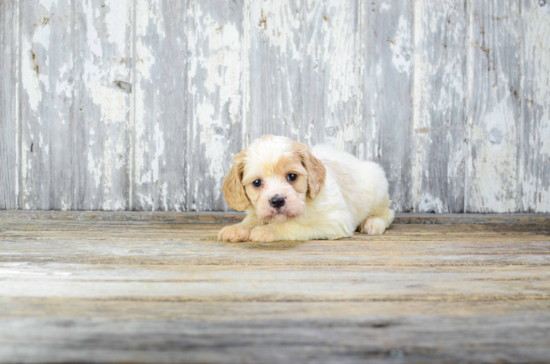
155	288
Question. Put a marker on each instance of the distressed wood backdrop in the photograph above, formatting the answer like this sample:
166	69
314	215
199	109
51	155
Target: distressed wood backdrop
140	104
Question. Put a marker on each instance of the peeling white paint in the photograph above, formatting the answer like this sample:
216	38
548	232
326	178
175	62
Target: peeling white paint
402	57
30	80
48	4
159	151
93	39
117	21
536	87
42	36
429	203
94	169
315	54
145	61
495	175
278	21
215	144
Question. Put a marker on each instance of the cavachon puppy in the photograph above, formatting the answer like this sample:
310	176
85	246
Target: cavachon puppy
292	192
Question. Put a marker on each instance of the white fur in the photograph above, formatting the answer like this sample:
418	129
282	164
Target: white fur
354	197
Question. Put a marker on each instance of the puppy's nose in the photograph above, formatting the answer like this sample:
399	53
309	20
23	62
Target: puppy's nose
277	201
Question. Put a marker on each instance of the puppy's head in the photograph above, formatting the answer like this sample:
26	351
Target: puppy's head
275	176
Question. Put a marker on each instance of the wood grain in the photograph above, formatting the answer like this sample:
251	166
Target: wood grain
330	66
140	104
159	134
215	100
162	291
9	117
276	51
103	68
439	153
387	108
493	176
47	105
524	219
535	145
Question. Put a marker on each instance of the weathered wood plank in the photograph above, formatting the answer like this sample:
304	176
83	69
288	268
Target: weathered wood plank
355	339
215	100
102	117
266	283
387	49
211	76
494	111
161	91
151	292
153	244
377	313
9	96
524	219
535	144
47	105
306	55
439	122
330	74
275	68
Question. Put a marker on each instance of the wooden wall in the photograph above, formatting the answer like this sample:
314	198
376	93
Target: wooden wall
140	104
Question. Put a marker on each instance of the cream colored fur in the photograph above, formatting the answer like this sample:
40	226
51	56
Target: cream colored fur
353	193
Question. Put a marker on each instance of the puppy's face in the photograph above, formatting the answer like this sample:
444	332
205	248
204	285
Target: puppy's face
276	188
275	176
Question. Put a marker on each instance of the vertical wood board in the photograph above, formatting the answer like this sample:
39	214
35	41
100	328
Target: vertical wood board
159	135
276	104
494	75
387	49
103	95
438	154
141	104
535	141
215	98
47	104
330	74
9	118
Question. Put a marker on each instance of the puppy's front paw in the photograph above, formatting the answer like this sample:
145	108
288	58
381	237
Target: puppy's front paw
373	226
234	233
262	233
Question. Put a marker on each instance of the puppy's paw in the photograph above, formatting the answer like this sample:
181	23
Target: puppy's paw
373	226
234	233
263	233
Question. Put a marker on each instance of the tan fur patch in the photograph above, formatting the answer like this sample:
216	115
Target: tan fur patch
233	188
316	171
292	164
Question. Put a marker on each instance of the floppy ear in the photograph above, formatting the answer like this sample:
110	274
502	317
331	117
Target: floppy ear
233	188
316	171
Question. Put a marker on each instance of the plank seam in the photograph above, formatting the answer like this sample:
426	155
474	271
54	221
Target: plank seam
412	205
132	134
188	191
360	86
521	135
246	73
19	116
468	97
74	106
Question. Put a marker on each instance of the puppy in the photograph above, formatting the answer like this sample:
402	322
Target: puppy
291	192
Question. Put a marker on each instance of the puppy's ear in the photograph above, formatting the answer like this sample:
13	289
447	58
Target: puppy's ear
316	171
233	188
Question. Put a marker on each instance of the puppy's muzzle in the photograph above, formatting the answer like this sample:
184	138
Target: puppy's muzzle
277	201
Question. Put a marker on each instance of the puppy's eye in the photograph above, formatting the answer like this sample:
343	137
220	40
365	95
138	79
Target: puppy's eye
257	183
292	177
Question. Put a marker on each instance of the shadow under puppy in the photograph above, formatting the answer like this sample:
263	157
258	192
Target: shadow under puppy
293	192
